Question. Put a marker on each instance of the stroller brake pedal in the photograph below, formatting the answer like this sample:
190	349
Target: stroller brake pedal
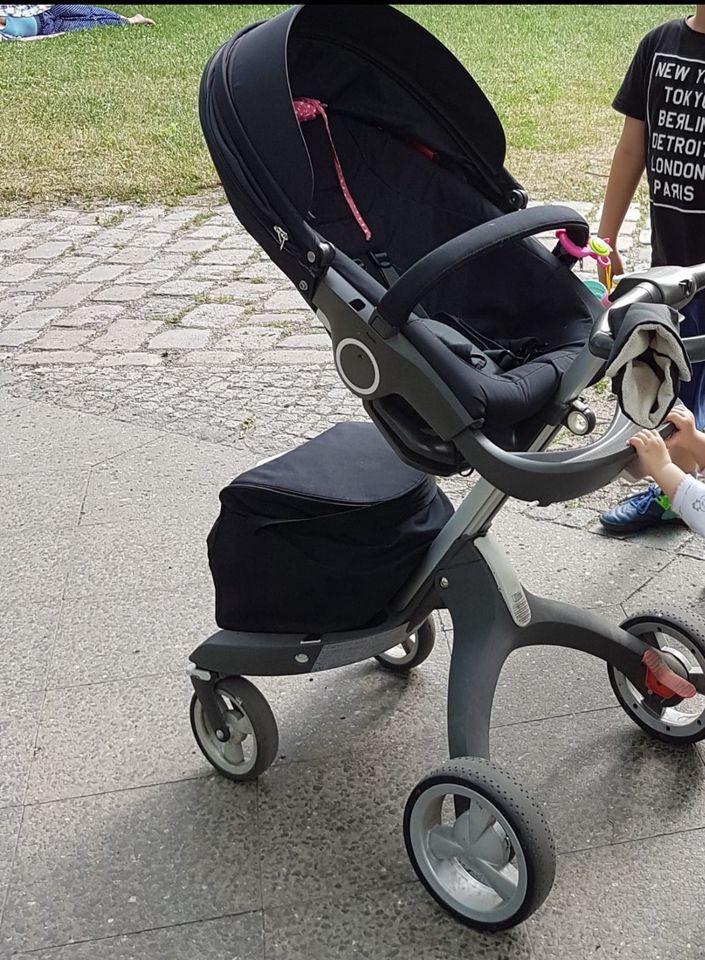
663	681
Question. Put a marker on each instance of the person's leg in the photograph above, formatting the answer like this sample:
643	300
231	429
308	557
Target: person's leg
68	17
651	507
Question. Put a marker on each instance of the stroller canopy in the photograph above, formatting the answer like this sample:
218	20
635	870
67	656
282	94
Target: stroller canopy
365	62
347	134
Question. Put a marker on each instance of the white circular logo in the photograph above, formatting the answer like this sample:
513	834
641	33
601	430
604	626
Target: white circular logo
350	342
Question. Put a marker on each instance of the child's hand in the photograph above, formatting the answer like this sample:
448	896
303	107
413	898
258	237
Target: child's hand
617	267
651	451
685	435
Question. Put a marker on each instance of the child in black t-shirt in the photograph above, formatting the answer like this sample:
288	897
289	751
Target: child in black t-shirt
663	100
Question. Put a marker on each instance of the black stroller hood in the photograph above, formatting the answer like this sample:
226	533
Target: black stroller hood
369	62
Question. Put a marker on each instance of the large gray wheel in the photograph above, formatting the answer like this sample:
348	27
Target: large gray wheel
479	844
254	738
682	641
412	651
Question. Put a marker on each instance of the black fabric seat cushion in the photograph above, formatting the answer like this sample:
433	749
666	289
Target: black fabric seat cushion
411	205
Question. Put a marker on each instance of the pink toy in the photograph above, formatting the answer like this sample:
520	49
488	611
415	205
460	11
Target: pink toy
596	248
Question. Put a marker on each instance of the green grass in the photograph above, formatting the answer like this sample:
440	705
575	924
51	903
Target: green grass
551	73
112	113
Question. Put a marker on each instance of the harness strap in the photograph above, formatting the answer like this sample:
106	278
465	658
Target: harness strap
391	275
308	109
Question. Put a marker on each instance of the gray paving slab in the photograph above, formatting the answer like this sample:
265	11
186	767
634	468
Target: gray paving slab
132	861
47	499
237	937
34	565
129	635
402	922
551	682
19	720
113	495
10	819
681	585
600	779
39	437
174	458
343	711
694	547
117	559
630	900
578	567
92	738
361	709
28	629
322	819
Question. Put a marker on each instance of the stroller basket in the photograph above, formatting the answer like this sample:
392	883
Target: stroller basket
320	538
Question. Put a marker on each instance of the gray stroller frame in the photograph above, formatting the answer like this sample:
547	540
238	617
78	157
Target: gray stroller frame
492	863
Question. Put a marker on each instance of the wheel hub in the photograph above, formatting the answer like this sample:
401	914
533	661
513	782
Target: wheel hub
472	857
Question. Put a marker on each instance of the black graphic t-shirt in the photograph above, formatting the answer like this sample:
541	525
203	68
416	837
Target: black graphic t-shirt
665	87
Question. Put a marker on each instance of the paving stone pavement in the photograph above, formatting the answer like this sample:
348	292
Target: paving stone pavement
146	356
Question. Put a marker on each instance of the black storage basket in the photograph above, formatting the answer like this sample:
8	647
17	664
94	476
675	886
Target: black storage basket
321	538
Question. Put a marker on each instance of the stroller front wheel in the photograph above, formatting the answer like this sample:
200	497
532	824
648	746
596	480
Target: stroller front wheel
412	651
682	640
479	844
253	739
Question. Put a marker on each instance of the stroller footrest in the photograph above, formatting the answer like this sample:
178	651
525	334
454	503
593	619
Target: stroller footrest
663	681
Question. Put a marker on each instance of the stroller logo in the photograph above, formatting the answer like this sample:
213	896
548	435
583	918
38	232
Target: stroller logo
282	236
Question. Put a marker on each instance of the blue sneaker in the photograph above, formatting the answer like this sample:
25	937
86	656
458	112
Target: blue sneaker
642	510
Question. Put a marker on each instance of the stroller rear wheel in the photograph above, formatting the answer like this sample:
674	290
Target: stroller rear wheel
412	651
254	740
479	844
682	640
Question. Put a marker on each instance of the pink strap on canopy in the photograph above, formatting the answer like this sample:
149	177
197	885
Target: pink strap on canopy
307	109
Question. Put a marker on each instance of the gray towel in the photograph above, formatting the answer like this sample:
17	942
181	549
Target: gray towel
648	361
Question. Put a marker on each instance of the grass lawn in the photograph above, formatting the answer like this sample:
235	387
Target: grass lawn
112	113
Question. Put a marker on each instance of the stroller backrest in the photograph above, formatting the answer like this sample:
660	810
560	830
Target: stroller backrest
410	186
411	203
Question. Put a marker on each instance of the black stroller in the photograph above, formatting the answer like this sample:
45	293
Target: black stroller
370	167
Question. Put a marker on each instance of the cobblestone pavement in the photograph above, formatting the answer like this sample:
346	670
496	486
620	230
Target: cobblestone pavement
175	318
146	356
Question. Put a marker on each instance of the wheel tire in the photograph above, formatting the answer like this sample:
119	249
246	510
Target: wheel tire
688	631
529	842
420	644
248	716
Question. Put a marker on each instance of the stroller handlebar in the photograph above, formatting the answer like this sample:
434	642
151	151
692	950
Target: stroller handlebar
398	303
552	476
674	286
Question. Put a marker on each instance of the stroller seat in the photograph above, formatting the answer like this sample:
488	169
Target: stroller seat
502	354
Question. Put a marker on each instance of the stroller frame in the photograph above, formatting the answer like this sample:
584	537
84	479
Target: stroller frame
467	573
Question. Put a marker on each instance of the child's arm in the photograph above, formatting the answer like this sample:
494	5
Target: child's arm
687	495
689	503
628	165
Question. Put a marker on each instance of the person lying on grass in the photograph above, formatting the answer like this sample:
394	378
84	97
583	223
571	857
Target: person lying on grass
673	463
64	18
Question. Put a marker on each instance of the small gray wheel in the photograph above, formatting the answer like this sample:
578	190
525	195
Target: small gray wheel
682	640
412	651
254	739
479	844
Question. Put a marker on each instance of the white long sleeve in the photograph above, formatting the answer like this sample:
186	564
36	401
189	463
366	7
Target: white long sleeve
689	503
